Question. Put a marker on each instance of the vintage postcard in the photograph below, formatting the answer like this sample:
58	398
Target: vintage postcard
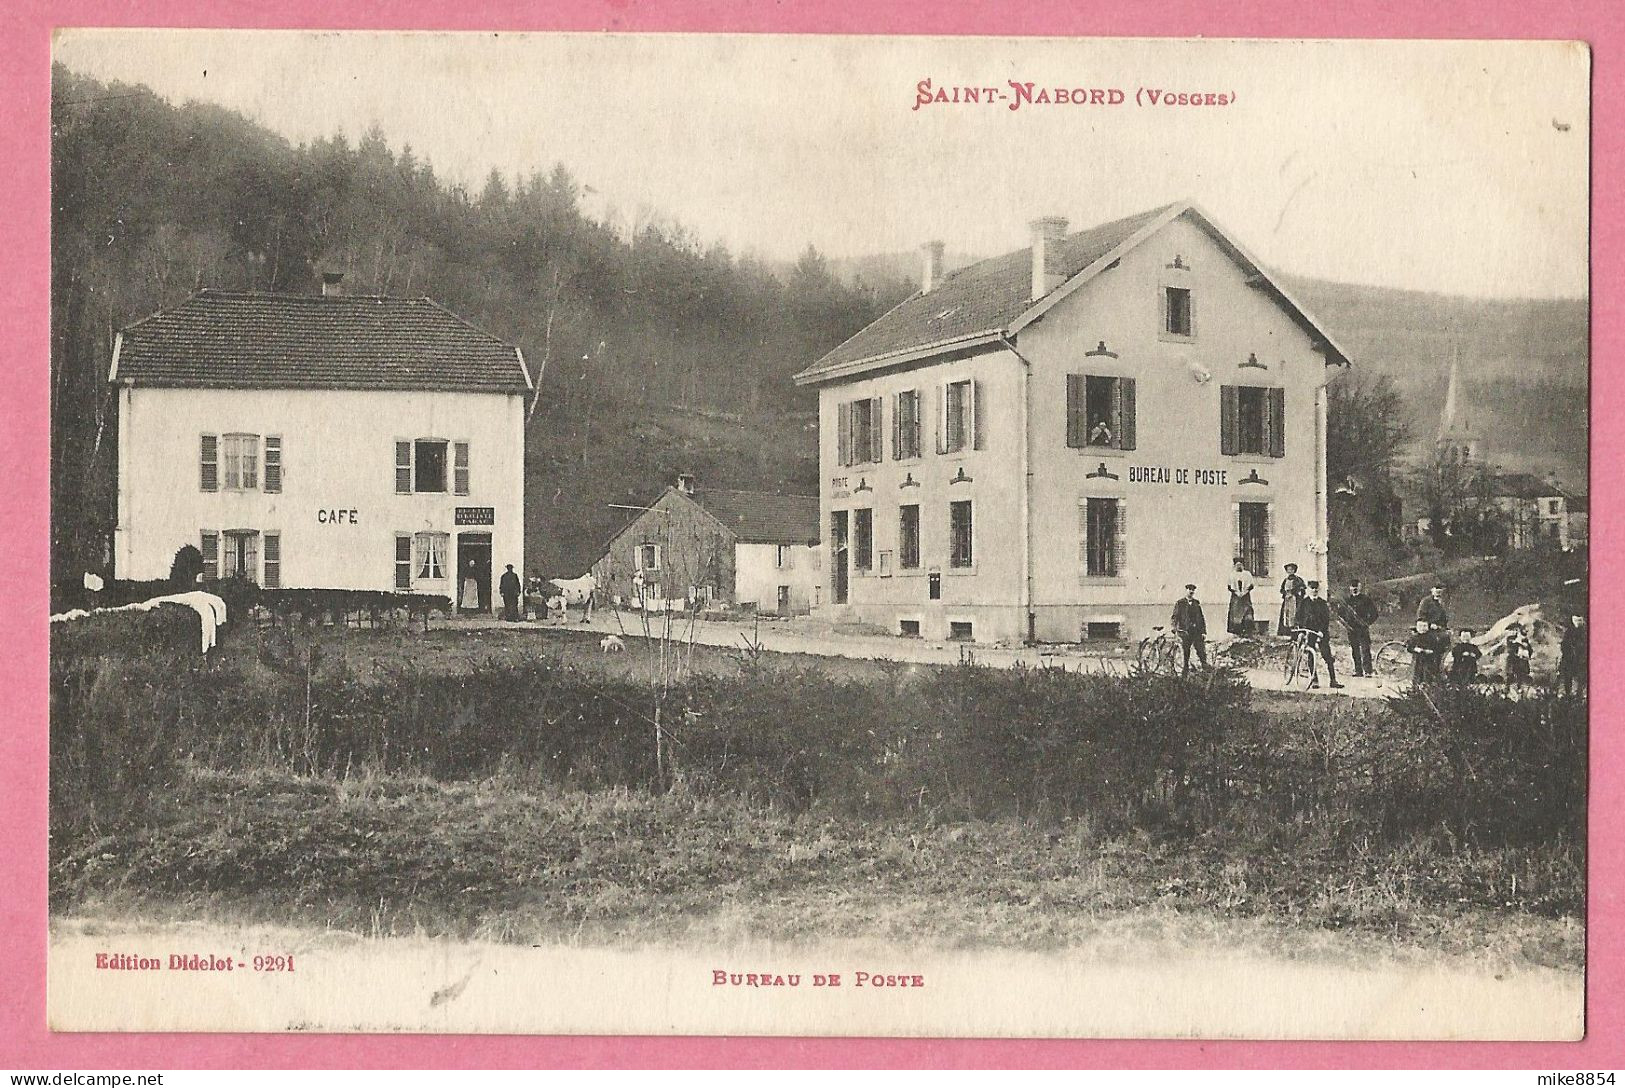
789	535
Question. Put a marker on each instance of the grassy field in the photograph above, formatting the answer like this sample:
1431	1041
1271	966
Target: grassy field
512	800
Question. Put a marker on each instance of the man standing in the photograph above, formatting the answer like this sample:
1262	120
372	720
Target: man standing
1359	612
1519	649
509	586
1573	663
1314	614
1433	611
1192	627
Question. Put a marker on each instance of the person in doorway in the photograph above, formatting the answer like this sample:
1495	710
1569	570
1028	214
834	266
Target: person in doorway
1292	591
1239	621
1519	650
1432	610
1315	614
1358	613
1573	663
1464	657
1191	626
509	587
1427	648
469	601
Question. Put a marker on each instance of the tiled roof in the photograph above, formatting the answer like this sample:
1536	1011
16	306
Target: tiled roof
229	339
1524	485
981	298
760	518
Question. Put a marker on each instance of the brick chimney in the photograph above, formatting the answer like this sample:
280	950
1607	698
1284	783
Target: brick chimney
1047	233
931	272
685	482
332	284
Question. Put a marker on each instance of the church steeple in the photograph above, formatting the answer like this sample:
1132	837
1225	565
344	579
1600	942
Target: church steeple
1456	441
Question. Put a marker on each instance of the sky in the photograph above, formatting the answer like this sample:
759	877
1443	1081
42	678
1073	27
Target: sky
1459	167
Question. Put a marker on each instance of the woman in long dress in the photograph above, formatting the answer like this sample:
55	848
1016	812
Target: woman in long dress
1293	589
1240	620
470	601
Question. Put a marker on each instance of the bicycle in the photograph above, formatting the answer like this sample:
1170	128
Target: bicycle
1299	658
1159	651
1391	656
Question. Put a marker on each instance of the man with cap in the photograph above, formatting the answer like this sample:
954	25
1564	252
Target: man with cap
509	587
1433	611
1192	626
1314	614
1358	613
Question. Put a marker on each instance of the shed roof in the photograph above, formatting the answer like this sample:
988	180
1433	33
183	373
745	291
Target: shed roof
993	298
257	340
759	517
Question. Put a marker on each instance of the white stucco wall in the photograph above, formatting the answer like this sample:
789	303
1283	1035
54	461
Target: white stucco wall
338	454
757	576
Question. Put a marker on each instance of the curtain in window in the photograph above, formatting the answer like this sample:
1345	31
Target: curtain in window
431	549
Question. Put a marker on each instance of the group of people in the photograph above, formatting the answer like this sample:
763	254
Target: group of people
1434	657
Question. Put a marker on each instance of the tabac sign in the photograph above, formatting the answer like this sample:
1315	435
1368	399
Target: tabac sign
475	515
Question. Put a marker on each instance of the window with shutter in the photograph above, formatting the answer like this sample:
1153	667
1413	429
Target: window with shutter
403	468
209	545
403	561
273	561
863	539
209	463
958	400
1103	540
241	454
908	536
961	534
1252	530
1255	420
460	467
273	463
1227	420
1277	422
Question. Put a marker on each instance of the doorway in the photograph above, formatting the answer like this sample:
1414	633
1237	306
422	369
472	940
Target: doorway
837	542
474	562
784	600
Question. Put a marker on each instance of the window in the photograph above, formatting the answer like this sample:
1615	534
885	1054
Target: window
649	557
241	454
960	630
403	561
429	551
1176	311
785	559
428	465
1103	537
241	558
859	431
1253	537
960	534
908	537
1100	412
1102	631
460	467
908	628
1252	420
863	539
273	554
906	426
209	545
209	463
273	467
956	416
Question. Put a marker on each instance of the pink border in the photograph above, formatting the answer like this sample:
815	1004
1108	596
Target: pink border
24	506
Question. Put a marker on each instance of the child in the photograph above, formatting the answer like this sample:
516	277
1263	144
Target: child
1519	650
1464	659
1426	653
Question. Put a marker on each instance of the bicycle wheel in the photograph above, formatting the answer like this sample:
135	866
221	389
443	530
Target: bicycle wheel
1391	657
1292	663
1147	655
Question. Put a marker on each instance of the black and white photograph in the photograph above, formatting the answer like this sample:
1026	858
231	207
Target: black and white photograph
703	534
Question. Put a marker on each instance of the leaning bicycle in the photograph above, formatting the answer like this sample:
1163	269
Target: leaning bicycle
1298	660
1159	651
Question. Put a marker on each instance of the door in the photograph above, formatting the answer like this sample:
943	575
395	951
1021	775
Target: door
837	542
784	600
473	565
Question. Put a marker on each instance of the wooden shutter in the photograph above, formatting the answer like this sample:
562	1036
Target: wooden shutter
1127	433
209	463
403	468
1275	421
209	545
273	464
1228	405
1269	539
1077	413
978	408
1235	532
403	561
843	433
273	561
1120	541
1083	536
459	470
897	427
939	412
877	430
